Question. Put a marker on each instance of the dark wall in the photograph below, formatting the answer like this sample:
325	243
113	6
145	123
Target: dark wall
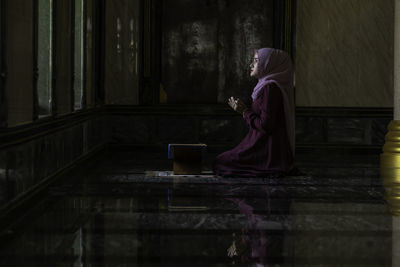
207	47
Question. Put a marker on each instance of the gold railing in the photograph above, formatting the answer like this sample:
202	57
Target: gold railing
390	167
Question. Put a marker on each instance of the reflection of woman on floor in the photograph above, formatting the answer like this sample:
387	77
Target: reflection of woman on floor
268	148
263	213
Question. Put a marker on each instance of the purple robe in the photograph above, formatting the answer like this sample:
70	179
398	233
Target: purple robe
266	149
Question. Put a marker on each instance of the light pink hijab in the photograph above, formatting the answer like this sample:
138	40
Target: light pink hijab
274	66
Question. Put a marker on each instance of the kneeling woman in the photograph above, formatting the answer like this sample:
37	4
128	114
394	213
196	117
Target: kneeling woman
268	148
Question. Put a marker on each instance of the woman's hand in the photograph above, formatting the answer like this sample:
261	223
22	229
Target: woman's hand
237	105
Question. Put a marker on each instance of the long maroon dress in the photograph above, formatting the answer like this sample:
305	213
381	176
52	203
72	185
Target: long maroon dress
265	150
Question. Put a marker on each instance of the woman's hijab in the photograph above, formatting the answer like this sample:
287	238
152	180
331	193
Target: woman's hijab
274	66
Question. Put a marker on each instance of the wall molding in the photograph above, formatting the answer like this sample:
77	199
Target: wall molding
42	127
224	110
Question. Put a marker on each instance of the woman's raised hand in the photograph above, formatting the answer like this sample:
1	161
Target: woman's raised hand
237	104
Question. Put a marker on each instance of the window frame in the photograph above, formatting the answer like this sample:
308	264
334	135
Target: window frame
3	71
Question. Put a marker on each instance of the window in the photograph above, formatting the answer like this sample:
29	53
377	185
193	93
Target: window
89	54
79	54
44	59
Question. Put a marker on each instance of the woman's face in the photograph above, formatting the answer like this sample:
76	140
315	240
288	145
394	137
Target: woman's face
254	66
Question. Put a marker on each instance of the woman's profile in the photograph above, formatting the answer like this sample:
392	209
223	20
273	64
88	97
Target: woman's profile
269	146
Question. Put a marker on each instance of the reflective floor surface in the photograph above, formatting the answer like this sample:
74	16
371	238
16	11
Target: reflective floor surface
128	209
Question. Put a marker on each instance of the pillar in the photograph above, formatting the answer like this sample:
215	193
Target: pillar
390	158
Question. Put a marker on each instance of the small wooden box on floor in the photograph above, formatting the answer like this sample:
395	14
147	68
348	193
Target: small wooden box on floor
187	157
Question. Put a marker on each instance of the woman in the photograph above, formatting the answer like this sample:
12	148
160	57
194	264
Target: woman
268	148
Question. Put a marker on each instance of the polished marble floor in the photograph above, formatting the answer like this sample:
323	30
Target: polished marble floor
128	209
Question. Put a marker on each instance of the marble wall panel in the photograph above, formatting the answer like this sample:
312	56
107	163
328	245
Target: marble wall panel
41	164
68	152
172	129
97	132
132	129
57	150
91	136
348	130
51	151
374	174
379	130
344	53
85	136
310	130
105	129
222	131
61	146
20	171
77	141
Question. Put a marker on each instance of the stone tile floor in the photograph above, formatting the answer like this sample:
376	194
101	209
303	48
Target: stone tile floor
126	209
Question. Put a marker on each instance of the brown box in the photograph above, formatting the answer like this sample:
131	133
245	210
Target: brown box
187	157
